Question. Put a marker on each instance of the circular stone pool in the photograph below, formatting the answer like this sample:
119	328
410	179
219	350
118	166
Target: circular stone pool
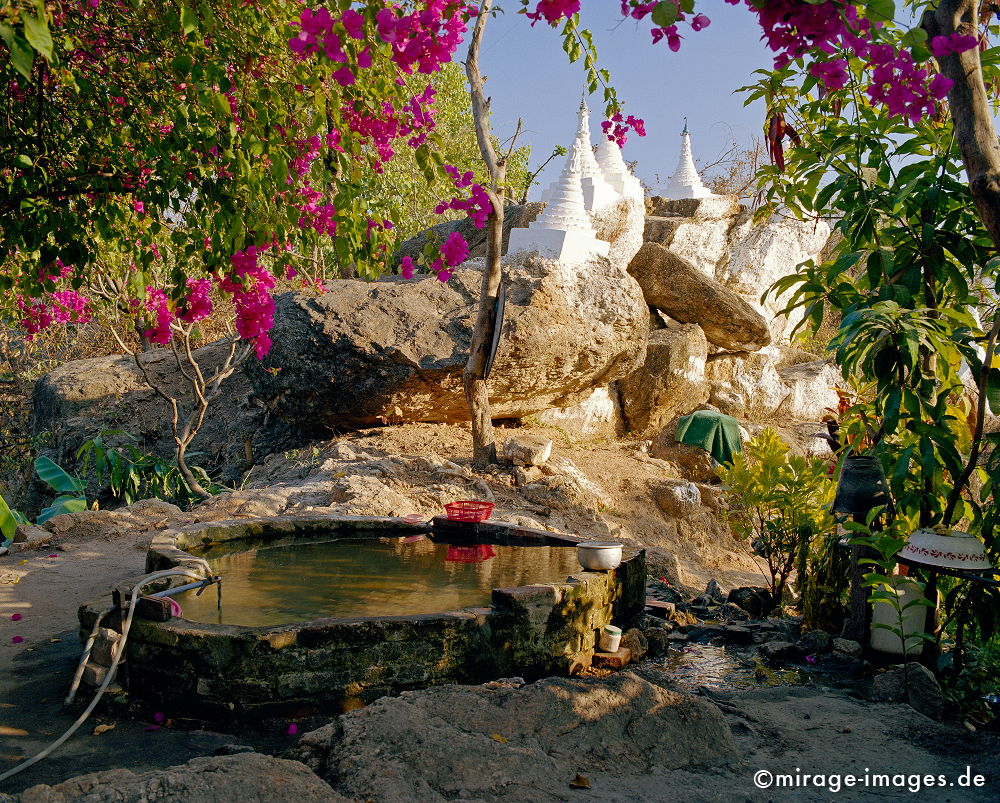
361	577
330	613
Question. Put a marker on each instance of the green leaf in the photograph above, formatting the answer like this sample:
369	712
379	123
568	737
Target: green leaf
189	22
57	477
993	390
62	504
665	14
881	10
8	523
21	56
36	31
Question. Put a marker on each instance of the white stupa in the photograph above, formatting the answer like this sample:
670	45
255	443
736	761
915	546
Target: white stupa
685	182
563	231
596	190
614	169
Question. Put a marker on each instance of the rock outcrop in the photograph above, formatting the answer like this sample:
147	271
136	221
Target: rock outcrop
505	741
369	353
671	382
514	217
246	777
673	284
79	400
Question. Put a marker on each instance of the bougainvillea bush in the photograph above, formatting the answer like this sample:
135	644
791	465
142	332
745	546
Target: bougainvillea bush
214	146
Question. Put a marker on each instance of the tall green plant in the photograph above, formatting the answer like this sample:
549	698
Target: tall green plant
911	278
777	503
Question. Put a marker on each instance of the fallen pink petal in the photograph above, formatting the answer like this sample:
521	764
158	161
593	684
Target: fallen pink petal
158	717
16	639
16	617
293	729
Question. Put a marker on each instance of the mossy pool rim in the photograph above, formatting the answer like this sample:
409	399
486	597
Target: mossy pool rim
214	671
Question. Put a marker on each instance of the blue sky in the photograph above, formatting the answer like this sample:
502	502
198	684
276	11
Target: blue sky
528	75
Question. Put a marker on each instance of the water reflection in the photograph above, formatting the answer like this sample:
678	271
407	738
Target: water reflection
367	577
715	667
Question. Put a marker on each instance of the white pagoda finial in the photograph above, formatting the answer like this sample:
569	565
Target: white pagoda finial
563	231
597	192
614	169
685	182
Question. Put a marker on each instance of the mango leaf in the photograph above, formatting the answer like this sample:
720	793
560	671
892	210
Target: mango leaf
57	477
62	504
36	31
993	390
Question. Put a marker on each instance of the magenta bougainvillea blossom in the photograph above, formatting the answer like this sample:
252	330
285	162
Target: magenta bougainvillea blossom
382	41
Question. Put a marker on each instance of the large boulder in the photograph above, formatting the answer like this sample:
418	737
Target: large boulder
672	380
698	230
745	385
247	777
673	284
761	254
721	240
82	399
368	353
507	742
812	390
599	415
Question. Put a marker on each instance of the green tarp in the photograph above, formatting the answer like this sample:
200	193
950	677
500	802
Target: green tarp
717	434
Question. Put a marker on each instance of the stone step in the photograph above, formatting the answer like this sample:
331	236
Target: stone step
612	660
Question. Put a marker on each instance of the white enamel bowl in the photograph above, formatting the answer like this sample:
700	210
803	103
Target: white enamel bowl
599	555
957	550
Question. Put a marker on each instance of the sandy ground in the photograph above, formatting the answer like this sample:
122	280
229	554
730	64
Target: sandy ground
46	587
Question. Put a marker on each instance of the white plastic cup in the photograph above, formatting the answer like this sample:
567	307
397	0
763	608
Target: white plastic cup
611	638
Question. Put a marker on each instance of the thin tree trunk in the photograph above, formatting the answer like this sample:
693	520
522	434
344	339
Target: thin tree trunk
484	450
970	108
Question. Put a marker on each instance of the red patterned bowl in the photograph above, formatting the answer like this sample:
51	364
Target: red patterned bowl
957	550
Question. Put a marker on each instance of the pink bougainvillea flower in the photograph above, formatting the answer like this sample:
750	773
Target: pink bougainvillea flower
15	617
833	74
354	23
406	268
456	250
956	43
158	717
293	729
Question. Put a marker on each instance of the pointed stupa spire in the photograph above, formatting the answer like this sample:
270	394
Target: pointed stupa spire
566	209
614	169
597	192
685	182
563	231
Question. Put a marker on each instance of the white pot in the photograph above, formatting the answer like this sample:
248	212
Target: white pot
599	555
887	639
611	638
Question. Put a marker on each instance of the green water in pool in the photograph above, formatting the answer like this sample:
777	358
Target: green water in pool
367	577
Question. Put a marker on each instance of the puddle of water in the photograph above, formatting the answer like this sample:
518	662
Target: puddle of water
715	667
367	577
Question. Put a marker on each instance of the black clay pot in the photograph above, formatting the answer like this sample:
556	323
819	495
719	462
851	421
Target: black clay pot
861	486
